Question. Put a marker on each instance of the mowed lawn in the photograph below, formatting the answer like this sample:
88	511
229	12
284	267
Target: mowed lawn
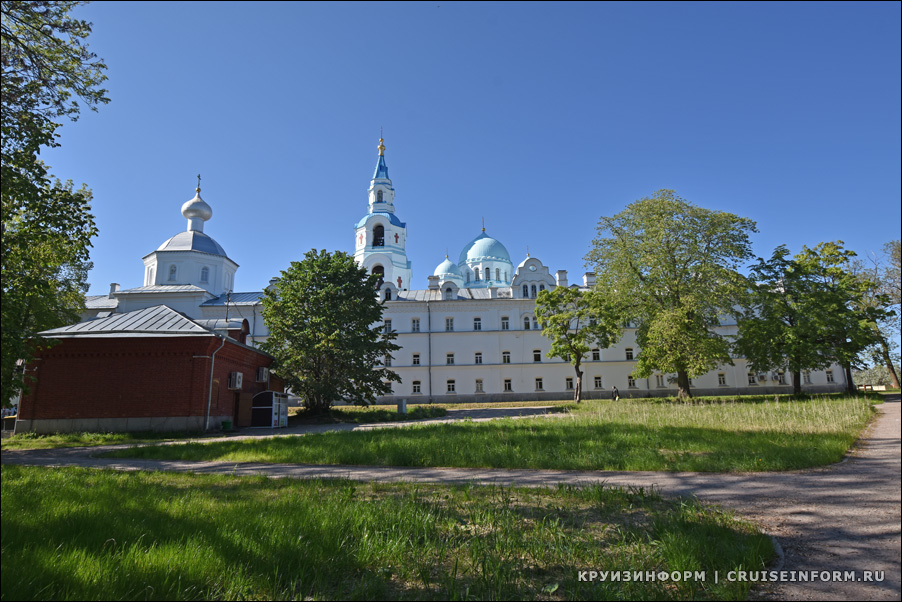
721	436
76	534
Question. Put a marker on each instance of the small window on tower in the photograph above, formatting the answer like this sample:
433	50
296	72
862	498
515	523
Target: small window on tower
379	196
205	274
172	272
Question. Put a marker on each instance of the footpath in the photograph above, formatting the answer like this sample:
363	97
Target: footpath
842	518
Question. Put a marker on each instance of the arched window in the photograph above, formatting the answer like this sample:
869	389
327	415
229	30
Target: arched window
541	287
533	291
476	271
497	274
525	322
449	292
388	294
526	291
172	272
379	196
379	236
205	274
378	269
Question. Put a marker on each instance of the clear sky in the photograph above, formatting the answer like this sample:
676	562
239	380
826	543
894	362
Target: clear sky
539	118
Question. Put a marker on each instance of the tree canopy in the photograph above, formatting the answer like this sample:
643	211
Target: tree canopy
326	332
576	321
808	312
673	268
46	225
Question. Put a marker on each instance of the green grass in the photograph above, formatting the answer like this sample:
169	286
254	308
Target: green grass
600	435
365	415
75	534
35	441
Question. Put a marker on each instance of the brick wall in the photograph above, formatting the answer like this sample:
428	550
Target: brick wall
140	377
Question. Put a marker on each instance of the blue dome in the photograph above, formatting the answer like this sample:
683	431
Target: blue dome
447	270
484	248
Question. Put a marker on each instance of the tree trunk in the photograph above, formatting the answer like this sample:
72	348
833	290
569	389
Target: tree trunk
796	383
683	388
884	351
850	383
578	393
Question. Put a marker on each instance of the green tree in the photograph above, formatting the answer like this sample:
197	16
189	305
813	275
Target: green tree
880	276
326	332
808	312
672	267
46	225
576	321
846	304
781	325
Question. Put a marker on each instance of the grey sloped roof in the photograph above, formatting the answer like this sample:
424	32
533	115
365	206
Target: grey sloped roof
163	288
221	323
100	302
192	240
438	295
252	298
159	320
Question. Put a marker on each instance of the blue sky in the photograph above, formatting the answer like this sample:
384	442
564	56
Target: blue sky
539	118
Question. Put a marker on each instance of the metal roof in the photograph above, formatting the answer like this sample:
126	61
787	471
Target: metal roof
252	298
221	323
159	320
100	302
192	240
163	288
476	294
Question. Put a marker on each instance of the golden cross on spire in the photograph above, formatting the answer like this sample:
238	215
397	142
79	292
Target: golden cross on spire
198	183
381	146
483	224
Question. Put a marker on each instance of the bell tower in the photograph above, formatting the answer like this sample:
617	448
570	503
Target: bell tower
380	238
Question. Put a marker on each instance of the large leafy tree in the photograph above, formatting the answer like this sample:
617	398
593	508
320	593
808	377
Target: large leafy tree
576	322
782	325
881	284
46	225
326	332
672	267
847	306
808	312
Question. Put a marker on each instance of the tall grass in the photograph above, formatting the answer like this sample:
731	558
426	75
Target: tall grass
74	534
600	435
88	439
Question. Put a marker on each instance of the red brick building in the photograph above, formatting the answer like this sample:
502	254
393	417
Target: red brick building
148	370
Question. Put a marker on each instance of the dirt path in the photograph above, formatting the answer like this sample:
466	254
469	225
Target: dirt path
844	517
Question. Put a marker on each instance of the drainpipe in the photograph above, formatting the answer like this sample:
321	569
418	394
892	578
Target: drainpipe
210	387
429	348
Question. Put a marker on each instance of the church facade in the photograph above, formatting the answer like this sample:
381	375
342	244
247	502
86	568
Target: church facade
470	335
